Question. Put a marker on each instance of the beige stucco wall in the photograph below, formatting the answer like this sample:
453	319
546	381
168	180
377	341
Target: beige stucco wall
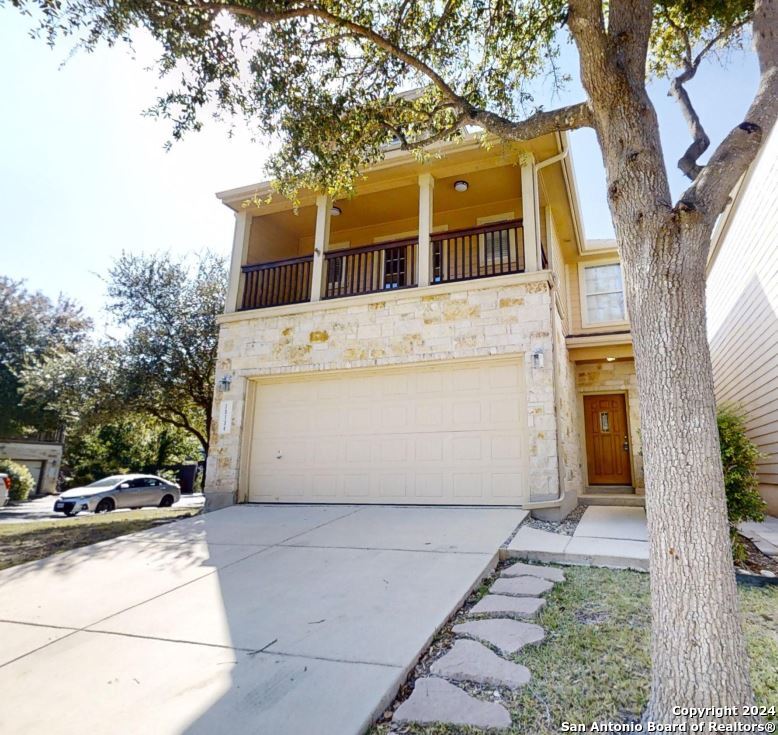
612	377
49	454
495	316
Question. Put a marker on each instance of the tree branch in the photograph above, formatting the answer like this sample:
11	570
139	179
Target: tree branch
700	141
541	123
714	183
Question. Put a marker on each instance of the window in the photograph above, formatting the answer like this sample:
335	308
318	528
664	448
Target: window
602	294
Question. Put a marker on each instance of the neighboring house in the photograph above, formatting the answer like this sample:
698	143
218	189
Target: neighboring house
446	336
41	454
743	310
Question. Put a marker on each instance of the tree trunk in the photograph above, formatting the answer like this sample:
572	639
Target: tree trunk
698	649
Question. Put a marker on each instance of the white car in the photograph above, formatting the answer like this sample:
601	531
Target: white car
119	491
5	489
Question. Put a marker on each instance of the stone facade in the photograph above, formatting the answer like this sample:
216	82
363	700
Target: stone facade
571	464
496	316
614	377
33	455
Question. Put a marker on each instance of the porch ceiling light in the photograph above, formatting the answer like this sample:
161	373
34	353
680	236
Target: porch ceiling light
461	185
610	359
335	211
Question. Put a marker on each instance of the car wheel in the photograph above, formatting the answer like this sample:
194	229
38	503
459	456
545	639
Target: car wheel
166	501
105	505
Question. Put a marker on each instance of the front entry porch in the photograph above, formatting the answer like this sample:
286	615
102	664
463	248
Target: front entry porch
609	428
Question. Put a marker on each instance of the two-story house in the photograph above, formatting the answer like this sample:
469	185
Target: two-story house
445	336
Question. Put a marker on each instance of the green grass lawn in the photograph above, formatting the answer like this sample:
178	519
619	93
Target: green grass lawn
23	542
594	663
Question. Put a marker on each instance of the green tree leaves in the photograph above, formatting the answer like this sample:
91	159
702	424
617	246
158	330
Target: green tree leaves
33	330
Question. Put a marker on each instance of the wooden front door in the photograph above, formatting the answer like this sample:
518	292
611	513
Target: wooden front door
607	440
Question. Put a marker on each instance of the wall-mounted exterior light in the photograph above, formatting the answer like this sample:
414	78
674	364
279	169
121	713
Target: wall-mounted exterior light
225	383
461	185
538	359
335	211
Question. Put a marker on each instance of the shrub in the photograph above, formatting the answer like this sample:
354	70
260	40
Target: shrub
739	456
21	480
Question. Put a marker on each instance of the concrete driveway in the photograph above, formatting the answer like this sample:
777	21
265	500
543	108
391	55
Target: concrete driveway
262	619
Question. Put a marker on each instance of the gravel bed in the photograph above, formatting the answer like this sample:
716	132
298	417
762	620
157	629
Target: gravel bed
566	527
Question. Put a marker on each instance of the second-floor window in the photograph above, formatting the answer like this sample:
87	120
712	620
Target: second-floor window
602	294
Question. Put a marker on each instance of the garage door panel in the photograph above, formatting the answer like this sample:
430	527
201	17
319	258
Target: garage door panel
466	447
466	414
391	418
448	433
393	449
357	485
359	451
328	452
428	413
505	446
466	380
468	485
504	484
358	419
504	414
327	485
428	448
429	485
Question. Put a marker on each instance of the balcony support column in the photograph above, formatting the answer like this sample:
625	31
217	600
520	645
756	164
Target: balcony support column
240	249
529	213
321	241
424	257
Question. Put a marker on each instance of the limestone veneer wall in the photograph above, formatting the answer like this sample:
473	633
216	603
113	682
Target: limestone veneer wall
614	377
494	316
568	413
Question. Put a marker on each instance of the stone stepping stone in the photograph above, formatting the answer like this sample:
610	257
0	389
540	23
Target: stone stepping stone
524	607
507	636
435	700
521	586
471	661
520	569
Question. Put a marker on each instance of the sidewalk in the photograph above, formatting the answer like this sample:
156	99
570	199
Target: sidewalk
606	536
764	535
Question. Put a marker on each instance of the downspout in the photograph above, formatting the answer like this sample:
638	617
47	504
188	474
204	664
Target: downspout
556	502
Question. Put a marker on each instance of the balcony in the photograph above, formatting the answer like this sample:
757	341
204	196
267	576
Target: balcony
457	255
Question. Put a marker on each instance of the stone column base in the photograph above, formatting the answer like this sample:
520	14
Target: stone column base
218	500
569	504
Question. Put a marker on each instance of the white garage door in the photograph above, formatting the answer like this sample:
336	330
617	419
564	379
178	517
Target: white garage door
450	433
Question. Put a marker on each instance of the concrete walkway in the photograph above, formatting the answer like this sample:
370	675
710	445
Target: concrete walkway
606	536
271	619
764	535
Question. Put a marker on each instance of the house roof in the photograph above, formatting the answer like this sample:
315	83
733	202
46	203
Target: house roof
398	165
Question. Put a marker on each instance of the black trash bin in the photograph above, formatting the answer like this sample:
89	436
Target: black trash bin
186	478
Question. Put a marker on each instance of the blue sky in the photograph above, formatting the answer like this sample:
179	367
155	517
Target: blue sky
84	176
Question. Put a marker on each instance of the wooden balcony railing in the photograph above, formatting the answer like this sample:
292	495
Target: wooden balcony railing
382	267
277	283
479	252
